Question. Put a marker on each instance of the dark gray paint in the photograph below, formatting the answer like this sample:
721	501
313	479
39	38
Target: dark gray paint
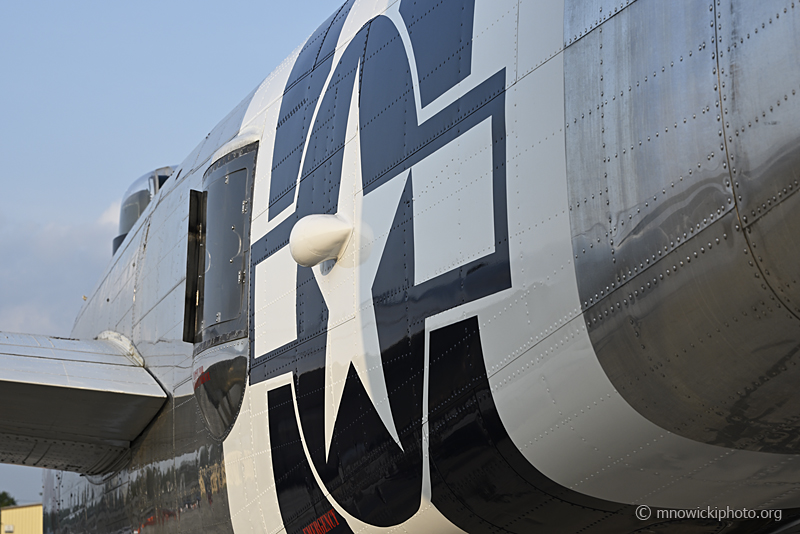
303	89
448	45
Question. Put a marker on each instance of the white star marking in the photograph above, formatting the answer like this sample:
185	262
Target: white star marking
352	336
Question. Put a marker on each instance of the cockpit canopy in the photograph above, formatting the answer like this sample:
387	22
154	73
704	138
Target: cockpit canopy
136	199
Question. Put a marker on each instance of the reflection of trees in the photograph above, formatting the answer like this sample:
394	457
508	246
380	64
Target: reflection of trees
175	476
221	395
6	499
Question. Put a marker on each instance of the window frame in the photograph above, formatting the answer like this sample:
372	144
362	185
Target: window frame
201	335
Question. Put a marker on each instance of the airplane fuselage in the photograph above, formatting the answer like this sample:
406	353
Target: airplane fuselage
473	265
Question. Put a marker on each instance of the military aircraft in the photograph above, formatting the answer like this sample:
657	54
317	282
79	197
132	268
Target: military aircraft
455	266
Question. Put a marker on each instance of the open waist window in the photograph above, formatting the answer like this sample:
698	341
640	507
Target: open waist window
219	244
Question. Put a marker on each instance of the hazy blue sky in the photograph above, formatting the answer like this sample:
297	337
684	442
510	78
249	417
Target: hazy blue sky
93	95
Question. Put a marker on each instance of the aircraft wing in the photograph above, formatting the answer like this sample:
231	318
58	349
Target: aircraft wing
74	405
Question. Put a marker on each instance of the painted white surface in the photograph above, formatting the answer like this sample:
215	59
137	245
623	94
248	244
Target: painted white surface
553	397
493	47
269	97
352	337
275	302
540	36
252	493
319	237
453	204
252	496
361	12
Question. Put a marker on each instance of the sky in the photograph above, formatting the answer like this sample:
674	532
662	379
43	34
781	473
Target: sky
93	95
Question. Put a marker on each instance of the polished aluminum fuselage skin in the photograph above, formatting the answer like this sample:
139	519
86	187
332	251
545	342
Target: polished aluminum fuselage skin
639	348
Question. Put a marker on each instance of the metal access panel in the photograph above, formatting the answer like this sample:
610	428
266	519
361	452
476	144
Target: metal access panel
71	404
682	161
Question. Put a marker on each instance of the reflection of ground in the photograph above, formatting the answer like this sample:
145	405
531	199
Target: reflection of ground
189	517
192	521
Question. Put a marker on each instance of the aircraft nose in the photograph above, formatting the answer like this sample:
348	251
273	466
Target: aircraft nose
684	213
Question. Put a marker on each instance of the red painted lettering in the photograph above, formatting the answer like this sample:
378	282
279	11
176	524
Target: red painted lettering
202	379
323	524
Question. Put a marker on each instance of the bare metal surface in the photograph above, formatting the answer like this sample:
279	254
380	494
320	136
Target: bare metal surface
556	401
686	322
72	404
759	53
582	16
